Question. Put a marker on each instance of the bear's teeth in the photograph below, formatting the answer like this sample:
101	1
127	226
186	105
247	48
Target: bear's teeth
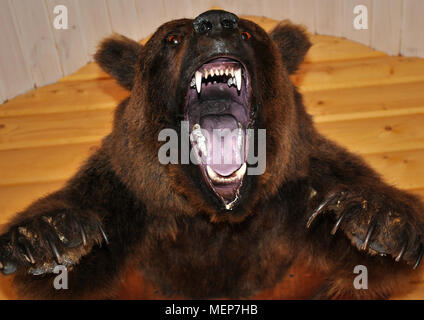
236	176
198	76
238	79
231	81
200	139
193	82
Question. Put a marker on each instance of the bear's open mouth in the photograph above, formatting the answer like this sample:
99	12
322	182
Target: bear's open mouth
218	112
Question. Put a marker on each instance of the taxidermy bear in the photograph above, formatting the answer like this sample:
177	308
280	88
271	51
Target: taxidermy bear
127	225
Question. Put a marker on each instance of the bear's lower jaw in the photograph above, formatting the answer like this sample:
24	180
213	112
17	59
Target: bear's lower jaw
218	112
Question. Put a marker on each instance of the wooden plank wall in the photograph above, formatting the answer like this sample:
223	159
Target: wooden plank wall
33	53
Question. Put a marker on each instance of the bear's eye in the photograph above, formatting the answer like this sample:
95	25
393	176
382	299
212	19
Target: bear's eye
245	35
174	39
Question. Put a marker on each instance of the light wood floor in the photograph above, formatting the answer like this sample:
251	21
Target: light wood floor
365	100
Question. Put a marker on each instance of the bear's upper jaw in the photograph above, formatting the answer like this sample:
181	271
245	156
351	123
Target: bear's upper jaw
218	112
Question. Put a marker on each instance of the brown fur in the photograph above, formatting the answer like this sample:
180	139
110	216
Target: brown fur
170	239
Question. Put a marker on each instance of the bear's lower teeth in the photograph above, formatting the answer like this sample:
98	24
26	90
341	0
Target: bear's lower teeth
236	176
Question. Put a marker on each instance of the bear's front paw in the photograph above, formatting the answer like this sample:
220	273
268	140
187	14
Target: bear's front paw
378	223
43	242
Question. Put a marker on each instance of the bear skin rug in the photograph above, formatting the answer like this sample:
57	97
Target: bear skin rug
129	226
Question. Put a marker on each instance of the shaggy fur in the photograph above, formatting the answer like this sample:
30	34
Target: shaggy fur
166	234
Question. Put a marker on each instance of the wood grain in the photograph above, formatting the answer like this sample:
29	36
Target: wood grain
95	22
329	16
387	26
54	129
124	18
35	53
412	26
359	73
42	164
69	96
15	77
303	12
363	35
67	40
37	41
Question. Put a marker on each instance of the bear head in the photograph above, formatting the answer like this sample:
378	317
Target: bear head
214	73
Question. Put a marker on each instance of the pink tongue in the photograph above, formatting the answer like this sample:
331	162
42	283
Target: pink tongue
223	154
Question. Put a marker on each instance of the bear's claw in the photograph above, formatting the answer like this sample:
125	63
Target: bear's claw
102	232
420	256
321	208
336	226
56	254
401	253
40	244
375	225
368	236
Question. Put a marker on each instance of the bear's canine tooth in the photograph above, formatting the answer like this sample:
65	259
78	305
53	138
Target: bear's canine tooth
238	79
198	81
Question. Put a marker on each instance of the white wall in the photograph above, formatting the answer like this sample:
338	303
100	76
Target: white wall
33	53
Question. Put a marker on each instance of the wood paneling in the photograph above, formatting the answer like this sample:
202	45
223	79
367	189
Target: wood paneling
359	73
69	42
386	25
54	129
177	9
349	31
95	22
37	41
329	15
15	77
66	96
33	52
42	164
17	197
303	12
277	10
151	15
124	18
412	28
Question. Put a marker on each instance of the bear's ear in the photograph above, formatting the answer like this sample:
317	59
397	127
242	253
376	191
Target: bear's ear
117	55
293	42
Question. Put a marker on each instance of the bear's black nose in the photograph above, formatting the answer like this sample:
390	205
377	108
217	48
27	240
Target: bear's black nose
215	20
